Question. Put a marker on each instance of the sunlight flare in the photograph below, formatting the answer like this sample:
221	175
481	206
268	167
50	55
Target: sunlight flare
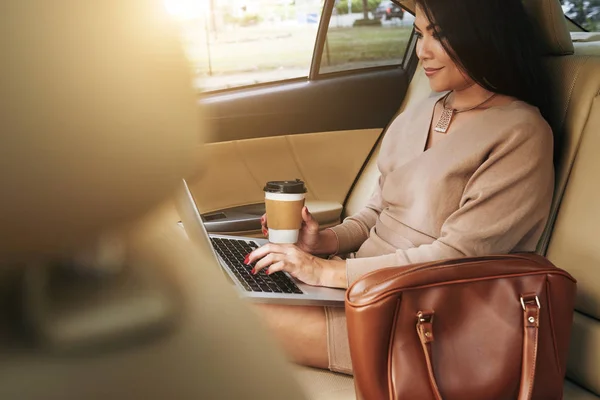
186	9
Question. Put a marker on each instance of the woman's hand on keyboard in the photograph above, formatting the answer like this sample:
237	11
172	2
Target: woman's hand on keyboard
299	264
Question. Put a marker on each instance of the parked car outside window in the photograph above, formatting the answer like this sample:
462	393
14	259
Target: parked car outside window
388	10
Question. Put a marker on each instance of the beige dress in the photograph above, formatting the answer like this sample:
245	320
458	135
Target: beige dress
484	189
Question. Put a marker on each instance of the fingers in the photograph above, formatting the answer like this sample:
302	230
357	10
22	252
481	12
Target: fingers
311	224
268	249
267	261
277	267
263	224
306	215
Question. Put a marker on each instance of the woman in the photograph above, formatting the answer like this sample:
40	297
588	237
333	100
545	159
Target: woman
467	172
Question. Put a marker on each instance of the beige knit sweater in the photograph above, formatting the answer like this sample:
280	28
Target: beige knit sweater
484	189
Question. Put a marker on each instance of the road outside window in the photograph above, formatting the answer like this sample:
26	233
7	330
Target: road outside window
234	43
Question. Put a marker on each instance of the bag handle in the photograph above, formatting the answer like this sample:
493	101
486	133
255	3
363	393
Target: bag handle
531	315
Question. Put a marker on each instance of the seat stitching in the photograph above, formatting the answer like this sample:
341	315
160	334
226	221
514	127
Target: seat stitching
240	154
571	88
552	327
547	235
296	157
554	30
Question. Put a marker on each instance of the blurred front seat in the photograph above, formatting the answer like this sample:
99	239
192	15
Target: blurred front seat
102	296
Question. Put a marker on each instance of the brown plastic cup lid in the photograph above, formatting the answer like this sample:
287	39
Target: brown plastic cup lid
291	187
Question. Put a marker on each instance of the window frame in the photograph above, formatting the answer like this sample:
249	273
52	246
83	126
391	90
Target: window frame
575	23
319	49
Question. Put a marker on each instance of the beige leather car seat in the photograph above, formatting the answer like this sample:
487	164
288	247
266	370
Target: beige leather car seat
102	296
573	243
586	43
573	239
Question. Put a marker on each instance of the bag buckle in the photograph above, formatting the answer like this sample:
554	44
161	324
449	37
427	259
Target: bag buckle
425	326
425	317
530	298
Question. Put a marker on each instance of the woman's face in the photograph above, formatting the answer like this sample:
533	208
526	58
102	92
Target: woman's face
442	72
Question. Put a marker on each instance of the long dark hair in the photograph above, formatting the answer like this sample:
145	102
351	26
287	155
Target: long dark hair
494	42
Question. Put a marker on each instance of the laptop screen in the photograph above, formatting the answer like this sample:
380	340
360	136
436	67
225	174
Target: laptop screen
191	219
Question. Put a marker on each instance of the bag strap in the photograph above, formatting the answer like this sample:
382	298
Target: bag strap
531	319
425	332
531	315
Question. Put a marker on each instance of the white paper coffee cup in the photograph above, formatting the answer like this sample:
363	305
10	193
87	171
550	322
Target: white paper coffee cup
284	210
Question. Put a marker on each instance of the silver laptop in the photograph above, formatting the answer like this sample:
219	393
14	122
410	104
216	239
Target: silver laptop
277	288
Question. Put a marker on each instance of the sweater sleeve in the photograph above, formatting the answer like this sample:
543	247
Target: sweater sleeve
506	199
354	230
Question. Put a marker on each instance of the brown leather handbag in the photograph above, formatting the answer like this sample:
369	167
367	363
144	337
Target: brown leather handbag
487	328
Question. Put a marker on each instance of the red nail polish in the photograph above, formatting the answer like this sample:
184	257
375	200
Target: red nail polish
267	271
247	259
265	232
253	272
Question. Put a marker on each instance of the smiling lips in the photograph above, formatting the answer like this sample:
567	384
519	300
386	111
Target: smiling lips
432	71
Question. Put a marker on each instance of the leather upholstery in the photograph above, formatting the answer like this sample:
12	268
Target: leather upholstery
552	25
319	384
574	392
574	247
572	243
239	169
584	352
576	83
586	43
454	298
585	37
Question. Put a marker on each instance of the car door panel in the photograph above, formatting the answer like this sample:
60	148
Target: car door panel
339	102
245	220
327	161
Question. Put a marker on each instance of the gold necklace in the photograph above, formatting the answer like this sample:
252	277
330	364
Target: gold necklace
448	113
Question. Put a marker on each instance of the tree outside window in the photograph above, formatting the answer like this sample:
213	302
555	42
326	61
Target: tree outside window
584	12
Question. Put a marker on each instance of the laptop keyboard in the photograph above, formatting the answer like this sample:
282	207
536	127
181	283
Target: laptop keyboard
234	251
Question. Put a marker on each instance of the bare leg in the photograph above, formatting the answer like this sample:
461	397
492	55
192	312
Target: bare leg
301	330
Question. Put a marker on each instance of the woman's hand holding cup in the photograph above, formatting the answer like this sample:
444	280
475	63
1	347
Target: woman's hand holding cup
295	238
308	237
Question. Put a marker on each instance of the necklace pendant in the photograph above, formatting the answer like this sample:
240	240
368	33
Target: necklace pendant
444	122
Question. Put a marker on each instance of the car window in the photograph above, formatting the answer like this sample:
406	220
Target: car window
358	38
583	13
573	27
233	43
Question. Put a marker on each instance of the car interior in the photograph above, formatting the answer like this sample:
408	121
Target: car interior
104	295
